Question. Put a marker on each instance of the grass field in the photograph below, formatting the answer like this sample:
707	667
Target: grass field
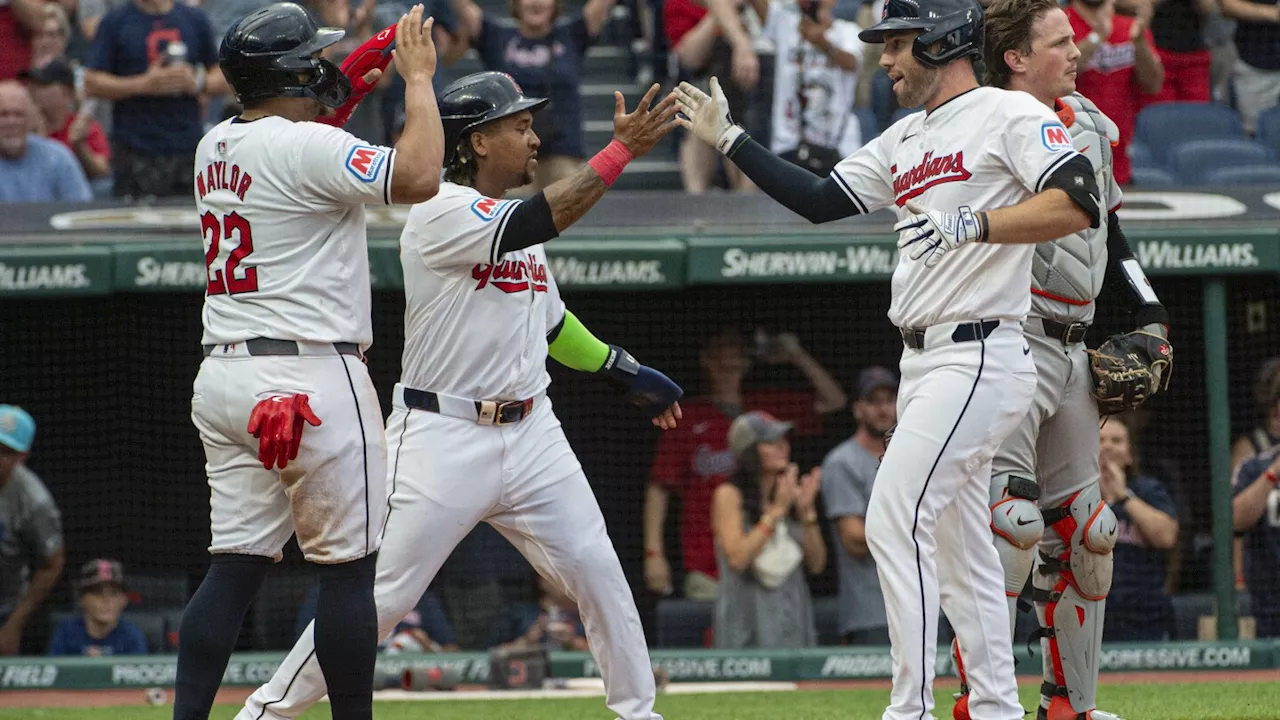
1191	701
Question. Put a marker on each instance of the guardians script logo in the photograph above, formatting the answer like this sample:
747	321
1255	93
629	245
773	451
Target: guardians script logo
932	170
512	275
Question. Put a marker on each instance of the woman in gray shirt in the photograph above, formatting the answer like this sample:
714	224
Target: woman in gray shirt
767	537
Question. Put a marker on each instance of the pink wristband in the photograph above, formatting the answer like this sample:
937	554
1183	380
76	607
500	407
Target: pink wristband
609	162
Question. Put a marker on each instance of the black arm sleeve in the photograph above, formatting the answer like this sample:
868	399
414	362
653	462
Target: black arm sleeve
1075	178
1143	312
816	199
530	224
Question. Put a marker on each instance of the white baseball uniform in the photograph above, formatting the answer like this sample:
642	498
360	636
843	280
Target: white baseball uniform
287	311
476	323
967	379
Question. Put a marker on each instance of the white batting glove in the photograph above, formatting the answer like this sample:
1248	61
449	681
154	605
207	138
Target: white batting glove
707	116
931	233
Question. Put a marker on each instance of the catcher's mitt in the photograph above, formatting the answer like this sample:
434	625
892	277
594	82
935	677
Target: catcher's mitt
1128	368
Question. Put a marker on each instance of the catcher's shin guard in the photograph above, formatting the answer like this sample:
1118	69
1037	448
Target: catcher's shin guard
1071	580
960	711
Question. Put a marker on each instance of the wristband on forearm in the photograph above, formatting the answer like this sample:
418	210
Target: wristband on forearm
609	162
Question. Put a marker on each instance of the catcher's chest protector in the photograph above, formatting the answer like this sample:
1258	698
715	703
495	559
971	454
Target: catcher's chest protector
1072	267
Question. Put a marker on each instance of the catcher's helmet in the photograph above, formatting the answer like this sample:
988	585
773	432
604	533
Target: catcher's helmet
474	100
957	24
272	53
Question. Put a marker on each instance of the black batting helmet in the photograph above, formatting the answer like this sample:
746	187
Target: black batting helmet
471	101
272	53
956	24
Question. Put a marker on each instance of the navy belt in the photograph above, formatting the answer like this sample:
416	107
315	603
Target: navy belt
269	346
965	332
488	412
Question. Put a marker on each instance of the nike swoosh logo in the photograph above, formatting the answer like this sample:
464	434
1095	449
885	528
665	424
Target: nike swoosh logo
1085	149
908	137
1027	522
1026	350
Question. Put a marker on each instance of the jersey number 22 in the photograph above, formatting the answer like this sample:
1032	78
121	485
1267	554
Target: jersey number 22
224	280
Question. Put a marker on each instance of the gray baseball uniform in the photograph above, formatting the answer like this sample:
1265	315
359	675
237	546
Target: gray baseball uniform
30	533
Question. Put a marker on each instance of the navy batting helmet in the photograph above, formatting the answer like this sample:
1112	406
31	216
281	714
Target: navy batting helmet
955	24
272	52
471	101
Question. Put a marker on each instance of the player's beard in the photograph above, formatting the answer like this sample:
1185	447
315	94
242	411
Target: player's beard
919	85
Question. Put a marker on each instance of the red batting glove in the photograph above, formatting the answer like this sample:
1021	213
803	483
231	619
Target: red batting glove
374	54
277	422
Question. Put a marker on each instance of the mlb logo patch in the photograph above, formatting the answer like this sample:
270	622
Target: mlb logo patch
365	162
222	147
1055	137
487	208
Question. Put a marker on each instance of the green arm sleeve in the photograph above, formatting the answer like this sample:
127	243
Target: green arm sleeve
571	344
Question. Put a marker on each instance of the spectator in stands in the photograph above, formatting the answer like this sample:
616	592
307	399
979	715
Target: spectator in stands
90	13
1256	76
546	54
33	168
153	59
451	45
765	521
50	43
53	89
100	628
1138	608
20	22
1255	516
31	553
709	37
1178	29
1118	64
694	459
815	74
552	623
1266	392
847	476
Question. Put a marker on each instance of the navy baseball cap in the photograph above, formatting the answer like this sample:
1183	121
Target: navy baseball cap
873	378
754	427
17	429
100	572
55	72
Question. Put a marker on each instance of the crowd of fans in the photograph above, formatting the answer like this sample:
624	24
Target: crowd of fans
794	72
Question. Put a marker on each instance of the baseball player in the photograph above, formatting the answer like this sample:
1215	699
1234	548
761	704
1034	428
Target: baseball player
472	434
286	323
976	178
1051	458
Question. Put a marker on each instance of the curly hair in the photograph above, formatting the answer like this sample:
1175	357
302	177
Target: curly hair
461	170
1008	27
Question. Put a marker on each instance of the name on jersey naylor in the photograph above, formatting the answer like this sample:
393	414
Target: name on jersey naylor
63	276
512	276
932	170
222	175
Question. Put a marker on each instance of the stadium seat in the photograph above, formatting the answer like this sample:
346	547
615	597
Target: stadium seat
1245	175
1268	128
1153	177
867	121
1192	160
1140	155
684	623
1161	127
157	592
1187	610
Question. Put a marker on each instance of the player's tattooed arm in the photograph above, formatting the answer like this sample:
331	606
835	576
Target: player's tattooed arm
573	196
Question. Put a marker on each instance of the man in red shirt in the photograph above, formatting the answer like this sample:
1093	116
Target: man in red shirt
1118	64
694	459
53	89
